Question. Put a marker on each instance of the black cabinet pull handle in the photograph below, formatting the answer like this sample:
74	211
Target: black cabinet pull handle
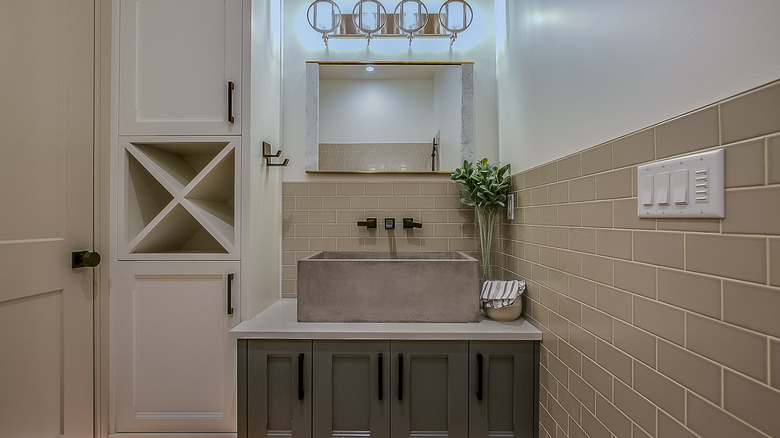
300	376
231	88
400	377
380	386
479	376
230	293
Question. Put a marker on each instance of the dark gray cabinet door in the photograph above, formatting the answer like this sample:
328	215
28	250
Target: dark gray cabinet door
429	386
351	394
503	385
274	381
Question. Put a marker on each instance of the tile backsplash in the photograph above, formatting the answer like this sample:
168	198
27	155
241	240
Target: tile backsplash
655	327
321	216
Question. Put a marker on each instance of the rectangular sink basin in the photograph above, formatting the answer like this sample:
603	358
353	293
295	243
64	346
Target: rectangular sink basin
357	286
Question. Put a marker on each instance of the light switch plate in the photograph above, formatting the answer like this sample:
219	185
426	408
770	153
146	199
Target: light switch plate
682	187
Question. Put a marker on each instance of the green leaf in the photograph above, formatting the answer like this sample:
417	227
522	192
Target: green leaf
485	185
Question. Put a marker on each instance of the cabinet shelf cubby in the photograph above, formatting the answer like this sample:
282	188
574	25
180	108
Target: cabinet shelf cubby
179	198
145	198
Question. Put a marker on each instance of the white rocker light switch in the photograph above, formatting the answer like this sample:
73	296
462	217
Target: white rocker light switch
662	188
680	186
646	195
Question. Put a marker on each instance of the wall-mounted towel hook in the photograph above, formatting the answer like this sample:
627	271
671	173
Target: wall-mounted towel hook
268	155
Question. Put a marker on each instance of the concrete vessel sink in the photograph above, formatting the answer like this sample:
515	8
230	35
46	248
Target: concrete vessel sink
356	286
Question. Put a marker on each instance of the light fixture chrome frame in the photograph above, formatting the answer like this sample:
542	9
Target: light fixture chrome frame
423	10
340	29
312	18
357	18
468	17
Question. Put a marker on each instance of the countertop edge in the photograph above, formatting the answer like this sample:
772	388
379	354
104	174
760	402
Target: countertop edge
279	322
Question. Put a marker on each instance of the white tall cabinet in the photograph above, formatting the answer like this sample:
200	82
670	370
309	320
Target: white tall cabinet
177	219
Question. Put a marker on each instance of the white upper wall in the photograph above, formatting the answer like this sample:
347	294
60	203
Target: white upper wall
261	283
301	44
573	74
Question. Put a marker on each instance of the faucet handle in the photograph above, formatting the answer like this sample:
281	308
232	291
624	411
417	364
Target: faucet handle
370	222
410	223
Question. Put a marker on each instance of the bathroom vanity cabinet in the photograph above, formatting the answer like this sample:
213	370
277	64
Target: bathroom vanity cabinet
387	388
447	380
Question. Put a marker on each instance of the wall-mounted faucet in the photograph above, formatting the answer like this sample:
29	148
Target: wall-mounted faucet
410	223
370	222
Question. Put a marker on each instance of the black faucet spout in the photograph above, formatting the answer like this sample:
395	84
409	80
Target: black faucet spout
368	223
410	223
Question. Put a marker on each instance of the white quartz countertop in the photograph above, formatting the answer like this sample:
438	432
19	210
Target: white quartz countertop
279	321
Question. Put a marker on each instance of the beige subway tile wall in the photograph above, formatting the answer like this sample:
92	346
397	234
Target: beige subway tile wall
655	327
323	216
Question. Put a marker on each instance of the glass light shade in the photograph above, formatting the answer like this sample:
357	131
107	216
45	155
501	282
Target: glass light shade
456	15
410	15
369	16
324	16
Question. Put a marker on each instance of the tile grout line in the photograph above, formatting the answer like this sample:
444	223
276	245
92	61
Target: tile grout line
768	261
769	362
723	387
766	160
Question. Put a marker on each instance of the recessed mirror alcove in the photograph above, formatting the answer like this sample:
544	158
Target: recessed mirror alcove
388	117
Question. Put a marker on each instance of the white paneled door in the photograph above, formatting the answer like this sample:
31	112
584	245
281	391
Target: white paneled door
46	212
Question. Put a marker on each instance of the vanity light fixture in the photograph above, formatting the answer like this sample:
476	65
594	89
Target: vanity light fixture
369	17
410	18
324	16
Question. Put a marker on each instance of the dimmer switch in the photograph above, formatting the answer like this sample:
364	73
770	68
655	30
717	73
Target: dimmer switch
689	186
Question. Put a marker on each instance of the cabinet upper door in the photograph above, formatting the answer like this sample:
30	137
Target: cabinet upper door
177	59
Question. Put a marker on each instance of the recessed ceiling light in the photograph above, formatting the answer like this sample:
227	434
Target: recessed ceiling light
370	68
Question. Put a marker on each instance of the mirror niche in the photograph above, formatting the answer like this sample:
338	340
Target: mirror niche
387	117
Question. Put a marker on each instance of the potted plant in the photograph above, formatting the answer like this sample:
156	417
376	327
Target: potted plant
485	187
